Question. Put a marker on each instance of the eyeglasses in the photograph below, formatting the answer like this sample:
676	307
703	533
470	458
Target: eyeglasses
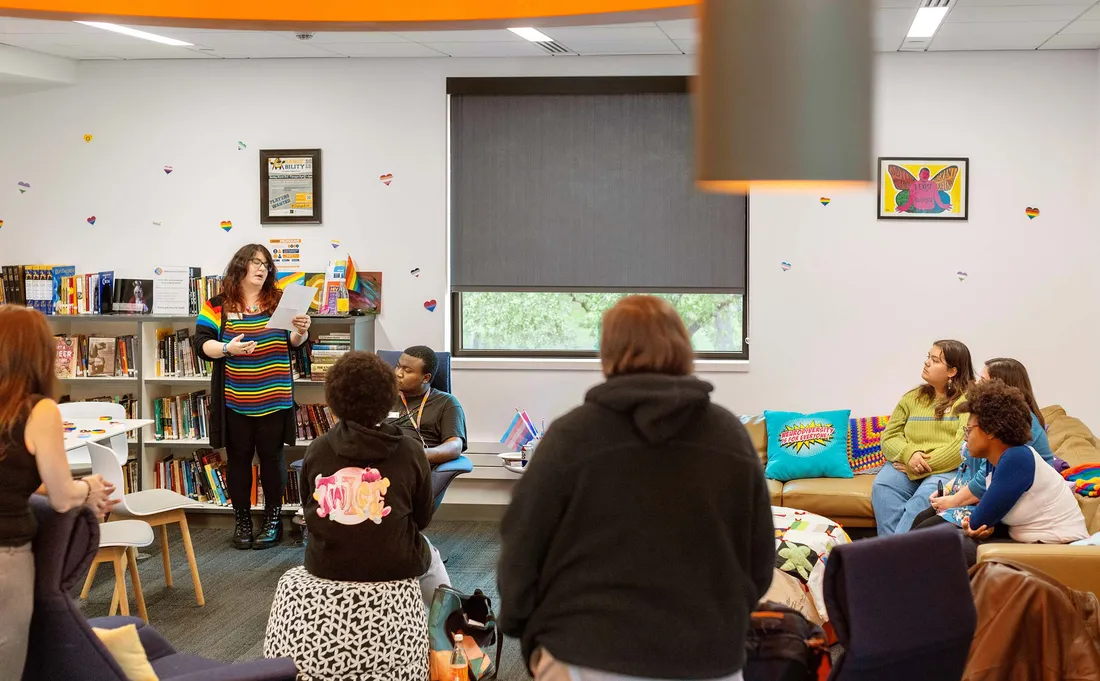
967	429
256	262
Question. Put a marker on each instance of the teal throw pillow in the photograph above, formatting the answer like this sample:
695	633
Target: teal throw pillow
807	445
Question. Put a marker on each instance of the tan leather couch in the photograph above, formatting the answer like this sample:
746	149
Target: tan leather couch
848	500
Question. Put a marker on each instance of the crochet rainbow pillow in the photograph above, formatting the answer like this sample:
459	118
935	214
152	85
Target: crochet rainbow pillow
1085	479
865	444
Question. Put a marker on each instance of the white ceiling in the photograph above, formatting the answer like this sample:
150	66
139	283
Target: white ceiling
970	25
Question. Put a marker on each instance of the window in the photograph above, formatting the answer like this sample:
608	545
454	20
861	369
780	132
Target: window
567	194
523	322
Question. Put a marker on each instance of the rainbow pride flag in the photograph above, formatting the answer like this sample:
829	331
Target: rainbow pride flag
351	277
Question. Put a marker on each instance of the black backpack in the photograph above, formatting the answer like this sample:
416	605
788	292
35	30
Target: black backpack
782	645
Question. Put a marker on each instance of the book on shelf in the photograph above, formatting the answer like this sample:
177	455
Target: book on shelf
177	355
182	417
129	477
128	401
324	353
96	356
13	284
201	475
83	294
291	494
313	420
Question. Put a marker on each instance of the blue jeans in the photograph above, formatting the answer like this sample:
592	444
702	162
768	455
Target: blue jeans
897	500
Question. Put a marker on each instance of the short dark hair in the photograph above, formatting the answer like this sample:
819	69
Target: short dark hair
1001	411
360	387
426	355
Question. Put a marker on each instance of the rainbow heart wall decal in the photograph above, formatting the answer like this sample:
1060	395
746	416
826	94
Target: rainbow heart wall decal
91	220
1032	213
386	179
227	225
825	200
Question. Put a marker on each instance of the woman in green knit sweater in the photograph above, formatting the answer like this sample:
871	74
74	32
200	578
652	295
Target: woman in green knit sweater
923	441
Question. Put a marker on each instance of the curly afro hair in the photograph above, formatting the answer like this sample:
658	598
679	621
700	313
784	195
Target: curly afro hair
361	387
1001	411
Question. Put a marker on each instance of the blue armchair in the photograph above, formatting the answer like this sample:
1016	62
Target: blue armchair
62	644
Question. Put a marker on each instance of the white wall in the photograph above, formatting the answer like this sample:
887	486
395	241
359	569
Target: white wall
847	326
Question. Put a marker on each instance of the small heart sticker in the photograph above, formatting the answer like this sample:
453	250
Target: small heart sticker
227	225
825	200
415	272
429	305
335	243
961	275
87	138
24	186
241	145
168	170
91	220
386	179
1032	213
785	265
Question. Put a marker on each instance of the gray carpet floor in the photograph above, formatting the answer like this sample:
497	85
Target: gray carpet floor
239	586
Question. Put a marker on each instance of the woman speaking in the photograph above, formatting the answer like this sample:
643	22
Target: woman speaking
252	388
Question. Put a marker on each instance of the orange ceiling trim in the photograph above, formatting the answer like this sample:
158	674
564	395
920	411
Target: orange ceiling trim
347	15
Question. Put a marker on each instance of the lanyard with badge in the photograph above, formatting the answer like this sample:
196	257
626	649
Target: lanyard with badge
419	413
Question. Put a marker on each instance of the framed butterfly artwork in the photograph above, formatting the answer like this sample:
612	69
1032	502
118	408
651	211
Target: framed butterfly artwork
923	188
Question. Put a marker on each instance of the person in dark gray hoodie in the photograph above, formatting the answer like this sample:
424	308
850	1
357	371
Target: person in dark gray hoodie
367	487
640	538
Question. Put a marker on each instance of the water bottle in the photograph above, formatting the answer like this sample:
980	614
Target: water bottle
460	666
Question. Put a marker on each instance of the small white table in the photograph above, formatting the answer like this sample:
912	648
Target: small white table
79	432
513	461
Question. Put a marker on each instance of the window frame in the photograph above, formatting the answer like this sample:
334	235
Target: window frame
576	85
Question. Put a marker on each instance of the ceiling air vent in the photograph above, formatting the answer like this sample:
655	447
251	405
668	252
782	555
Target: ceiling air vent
554	47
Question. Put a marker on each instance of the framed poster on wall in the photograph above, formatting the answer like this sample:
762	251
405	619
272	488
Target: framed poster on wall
923	188
290	186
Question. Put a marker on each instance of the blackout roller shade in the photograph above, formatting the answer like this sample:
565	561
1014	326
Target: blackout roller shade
586	192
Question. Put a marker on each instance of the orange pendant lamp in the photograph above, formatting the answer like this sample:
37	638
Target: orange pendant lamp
783	96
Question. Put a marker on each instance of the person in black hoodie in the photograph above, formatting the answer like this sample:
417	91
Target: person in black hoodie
367	486
640	537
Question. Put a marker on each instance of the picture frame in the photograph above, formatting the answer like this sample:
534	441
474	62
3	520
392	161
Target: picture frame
923	188
290	186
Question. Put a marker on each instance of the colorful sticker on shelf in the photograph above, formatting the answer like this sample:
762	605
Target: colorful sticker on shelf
415	272
87	138
961	275
286	254
386	179
825	200
168	170
91	220
1032	213
227	225
335	243
241	145
785	265
429	305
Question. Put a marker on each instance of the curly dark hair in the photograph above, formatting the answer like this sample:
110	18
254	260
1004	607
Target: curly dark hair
360	387
237	270
1001	411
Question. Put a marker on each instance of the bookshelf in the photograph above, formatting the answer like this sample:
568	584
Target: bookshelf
147	386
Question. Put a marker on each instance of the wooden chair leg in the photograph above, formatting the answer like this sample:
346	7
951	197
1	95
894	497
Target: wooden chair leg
88	581
190	551
131	558
165	556
120	585
114	602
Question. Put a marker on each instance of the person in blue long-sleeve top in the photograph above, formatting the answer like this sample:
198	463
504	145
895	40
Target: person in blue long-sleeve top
973	475
1026	500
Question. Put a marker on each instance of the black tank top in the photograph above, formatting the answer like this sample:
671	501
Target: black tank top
18	480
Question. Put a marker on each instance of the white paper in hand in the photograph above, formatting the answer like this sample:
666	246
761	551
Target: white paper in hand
295	301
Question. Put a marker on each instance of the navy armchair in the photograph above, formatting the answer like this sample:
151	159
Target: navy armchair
62	643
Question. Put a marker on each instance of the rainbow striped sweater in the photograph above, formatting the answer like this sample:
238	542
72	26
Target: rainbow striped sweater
913	427
260	383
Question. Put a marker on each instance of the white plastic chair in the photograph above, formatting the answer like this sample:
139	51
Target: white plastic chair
157	507
79	458
119	540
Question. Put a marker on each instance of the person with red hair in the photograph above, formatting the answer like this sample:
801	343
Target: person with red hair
32	453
